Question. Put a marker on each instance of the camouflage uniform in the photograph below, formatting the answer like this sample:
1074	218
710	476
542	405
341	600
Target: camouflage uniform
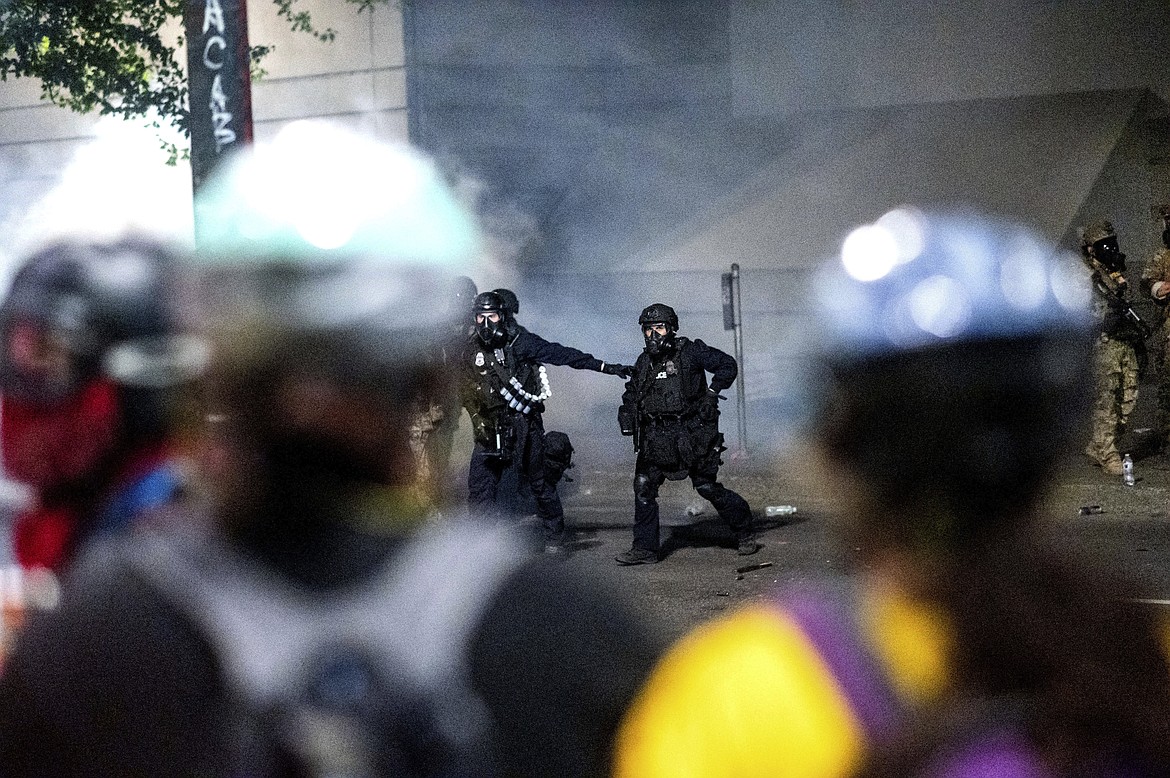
1115	363
1158	270
424	488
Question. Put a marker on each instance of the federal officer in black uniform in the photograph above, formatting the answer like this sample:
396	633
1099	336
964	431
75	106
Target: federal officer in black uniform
504	391
674	417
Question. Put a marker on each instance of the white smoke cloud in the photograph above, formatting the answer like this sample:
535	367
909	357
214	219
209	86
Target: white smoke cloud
117	183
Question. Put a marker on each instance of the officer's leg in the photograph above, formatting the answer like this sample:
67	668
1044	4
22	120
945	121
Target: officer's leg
732	508
548	502
647	479
483	481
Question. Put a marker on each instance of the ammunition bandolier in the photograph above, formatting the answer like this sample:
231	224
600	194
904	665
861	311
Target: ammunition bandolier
504	390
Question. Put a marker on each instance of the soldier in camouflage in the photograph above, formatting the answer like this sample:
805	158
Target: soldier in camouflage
1116	350
1156	284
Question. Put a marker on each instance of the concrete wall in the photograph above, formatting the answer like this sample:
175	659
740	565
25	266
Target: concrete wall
358	79
800	55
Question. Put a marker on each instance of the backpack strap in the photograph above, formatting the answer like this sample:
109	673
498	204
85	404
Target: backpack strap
415	618
827	617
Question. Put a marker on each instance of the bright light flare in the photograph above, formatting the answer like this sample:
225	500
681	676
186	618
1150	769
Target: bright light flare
905	225
869	253
939	305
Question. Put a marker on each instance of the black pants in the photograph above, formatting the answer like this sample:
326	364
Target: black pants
732	508
483	476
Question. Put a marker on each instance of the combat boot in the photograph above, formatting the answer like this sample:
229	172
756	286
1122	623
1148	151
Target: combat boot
1110	463
636	556
748	546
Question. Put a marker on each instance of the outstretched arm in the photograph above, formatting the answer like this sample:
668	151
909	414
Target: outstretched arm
536	348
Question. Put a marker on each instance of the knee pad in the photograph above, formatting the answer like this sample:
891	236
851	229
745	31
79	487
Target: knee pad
644	489
708	491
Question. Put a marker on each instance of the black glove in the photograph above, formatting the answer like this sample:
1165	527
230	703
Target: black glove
625	371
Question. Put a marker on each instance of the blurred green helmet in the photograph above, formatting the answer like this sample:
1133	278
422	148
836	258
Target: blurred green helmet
320	193
328	233
323	229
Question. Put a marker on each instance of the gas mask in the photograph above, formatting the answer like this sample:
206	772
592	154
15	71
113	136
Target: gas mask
657	343
1108	253
490	333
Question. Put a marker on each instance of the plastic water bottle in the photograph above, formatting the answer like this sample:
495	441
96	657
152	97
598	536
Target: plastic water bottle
773	511
1127	470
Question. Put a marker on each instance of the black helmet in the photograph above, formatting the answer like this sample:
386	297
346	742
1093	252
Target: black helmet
489	301
510	300
107	307
659	313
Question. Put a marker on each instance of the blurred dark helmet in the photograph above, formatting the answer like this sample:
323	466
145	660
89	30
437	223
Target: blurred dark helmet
76	311
658	343
511	301
463	290
956	350
90	344
491	318
1099	241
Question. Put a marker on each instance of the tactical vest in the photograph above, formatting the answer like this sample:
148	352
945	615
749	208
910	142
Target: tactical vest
505	382
660	384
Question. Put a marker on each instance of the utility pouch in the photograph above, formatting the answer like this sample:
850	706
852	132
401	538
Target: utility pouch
501	440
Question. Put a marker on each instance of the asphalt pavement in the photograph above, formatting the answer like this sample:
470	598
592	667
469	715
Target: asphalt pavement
699	576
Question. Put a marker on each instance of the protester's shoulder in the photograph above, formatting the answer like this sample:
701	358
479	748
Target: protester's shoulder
753	671
107	585
110	625
558	658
